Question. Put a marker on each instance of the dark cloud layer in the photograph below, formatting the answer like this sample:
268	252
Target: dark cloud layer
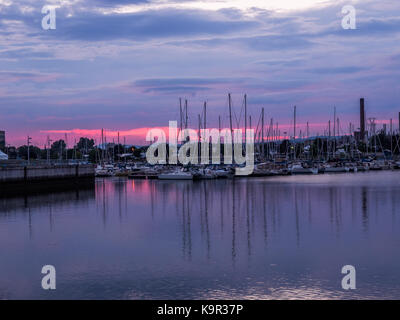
182	85
182	81
338	70
147	25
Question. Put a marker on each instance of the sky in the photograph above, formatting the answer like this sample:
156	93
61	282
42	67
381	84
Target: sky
122	65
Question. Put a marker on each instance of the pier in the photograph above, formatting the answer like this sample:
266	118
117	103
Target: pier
14	176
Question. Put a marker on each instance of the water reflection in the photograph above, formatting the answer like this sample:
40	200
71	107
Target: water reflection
284	237
29	205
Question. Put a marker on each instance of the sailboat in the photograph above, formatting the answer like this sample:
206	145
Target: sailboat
104	171
176	175
297	168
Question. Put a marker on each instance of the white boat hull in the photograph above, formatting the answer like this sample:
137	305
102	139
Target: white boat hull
167	176
336	170
304	171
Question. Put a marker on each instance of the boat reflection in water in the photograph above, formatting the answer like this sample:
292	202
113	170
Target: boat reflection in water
260	238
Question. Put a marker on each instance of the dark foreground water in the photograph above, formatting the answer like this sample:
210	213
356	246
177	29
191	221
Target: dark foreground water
266	238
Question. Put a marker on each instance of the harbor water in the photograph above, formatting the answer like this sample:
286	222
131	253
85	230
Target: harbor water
254	238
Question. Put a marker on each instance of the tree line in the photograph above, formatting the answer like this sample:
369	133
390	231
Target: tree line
85	149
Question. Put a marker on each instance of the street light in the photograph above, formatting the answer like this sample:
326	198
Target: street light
48	149
29	140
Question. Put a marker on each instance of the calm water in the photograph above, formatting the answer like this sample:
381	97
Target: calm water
266	238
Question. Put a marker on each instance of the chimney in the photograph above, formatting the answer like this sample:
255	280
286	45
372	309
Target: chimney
362	119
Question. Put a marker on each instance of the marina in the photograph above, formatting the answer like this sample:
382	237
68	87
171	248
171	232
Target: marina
248	149
272	154
197	173
168	172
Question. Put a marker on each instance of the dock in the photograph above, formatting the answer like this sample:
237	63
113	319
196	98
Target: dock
14	177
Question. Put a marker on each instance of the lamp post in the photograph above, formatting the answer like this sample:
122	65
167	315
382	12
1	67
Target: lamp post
29	141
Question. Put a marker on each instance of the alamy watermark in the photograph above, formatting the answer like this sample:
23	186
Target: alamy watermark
188	153
349	20
49	20
349	280
49	280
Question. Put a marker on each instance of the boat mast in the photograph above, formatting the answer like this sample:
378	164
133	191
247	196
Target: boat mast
391	138
219	128
294	131
102	146
270	136
277	135
180	113
334	122
245	118
205	115
329	139
250	122
186	114
230	119
294	123
334	132
198	143
262	133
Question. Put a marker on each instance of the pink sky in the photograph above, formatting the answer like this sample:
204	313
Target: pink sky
138	135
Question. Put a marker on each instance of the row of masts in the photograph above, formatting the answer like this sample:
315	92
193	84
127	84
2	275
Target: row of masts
202	123
267	137
273	129
263	138
333	127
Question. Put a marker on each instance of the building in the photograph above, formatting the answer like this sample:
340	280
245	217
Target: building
2	141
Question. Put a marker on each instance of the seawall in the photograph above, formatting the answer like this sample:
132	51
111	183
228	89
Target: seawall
41	177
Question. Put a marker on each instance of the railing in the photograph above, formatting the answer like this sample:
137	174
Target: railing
33	163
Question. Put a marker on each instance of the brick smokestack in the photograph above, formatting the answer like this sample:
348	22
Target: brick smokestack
362	119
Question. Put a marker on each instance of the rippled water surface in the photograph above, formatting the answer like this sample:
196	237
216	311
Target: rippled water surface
261	238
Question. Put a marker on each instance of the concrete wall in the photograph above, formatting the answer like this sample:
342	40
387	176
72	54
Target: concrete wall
45	173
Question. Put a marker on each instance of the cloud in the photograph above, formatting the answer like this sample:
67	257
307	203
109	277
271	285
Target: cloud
137	132
281	63
259	43
25	53
114	3
276	99
365	28
338	70
182	85
151	24
176	89
15	76
277	42
182	81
